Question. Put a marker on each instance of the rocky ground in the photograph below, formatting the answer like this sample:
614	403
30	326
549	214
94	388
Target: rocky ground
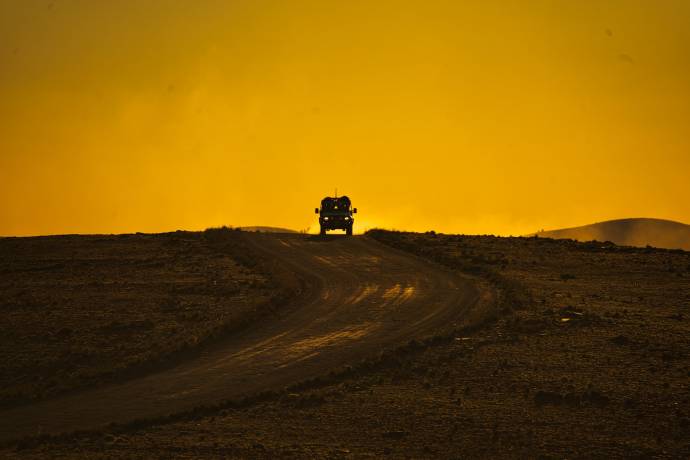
588	357
81	310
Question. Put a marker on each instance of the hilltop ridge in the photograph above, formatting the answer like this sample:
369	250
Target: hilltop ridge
659	233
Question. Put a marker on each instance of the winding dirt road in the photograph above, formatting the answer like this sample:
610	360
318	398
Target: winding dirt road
359	297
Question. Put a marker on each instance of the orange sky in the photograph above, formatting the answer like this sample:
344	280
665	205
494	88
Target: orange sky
460	116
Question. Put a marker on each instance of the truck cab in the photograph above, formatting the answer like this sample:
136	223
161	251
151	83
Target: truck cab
336	213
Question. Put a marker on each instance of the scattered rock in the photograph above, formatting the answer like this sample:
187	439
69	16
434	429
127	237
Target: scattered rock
64	332
670	356
544	398
395	434
572	399
530	326
620	340
630	403
571	312
596	398
551	398
684	423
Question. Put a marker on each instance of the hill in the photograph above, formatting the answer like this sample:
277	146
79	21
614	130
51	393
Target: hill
629	232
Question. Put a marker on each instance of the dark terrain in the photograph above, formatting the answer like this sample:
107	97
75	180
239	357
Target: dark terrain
82	310
348	299
579	350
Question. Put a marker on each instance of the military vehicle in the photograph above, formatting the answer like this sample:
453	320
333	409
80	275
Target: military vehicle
336	213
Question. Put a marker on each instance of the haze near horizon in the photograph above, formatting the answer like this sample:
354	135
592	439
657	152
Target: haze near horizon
472	117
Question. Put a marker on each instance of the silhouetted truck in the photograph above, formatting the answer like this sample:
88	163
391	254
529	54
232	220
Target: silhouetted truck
336	214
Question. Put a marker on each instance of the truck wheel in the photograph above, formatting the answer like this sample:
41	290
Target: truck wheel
323	231
348	231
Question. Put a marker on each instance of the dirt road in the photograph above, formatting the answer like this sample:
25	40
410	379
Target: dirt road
359	297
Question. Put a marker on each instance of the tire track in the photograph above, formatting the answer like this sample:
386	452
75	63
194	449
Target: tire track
359	297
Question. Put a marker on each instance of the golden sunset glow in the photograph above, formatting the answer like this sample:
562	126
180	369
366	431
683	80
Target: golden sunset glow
497	117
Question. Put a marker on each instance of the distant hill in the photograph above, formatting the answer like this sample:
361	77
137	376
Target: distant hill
630	232
267	229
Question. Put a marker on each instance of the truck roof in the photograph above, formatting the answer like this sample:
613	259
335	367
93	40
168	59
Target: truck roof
340	200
